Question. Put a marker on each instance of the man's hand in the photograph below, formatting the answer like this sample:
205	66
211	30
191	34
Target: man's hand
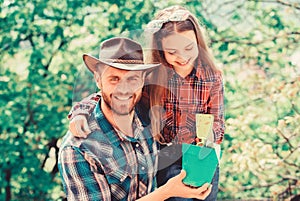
79	126
176	188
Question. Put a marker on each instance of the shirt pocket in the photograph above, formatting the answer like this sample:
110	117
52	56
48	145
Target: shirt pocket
116	176
115	172
119	182
201	94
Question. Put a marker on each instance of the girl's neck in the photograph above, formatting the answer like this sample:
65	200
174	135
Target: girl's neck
183	72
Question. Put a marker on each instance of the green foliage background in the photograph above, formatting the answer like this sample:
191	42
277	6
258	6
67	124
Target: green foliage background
256	44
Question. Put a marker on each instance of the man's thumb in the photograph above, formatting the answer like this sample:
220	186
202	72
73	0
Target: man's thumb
182	174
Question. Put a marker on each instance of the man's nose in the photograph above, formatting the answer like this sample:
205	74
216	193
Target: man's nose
123	87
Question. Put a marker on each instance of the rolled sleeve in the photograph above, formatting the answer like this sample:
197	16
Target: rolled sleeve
85	106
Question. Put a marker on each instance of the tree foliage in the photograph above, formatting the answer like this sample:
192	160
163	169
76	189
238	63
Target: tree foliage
255	43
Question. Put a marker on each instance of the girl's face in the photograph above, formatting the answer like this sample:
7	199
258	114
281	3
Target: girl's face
181	51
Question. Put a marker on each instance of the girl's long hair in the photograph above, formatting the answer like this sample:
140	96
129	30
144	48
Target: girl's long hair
205	60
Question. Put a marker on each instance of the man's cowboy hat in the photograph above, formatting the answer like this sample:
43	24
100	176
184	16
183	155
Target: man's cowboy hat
121	53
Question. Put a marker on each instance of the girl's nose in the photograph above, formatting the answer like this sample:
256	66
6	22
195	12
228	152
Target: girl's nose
182	58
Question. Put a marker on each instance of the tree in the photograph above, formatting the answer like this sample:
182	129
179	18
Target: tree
41	48
255	43
41	44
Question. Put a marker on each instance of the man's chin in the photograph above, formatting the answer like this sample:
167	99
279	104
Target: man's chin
122	112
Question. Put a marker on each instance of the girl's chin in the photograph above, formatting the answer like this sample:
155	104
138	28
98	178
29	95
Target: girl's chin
185	66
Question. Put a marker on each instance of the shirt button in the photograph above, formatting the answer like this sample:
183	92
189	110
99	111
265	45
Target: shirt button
143	168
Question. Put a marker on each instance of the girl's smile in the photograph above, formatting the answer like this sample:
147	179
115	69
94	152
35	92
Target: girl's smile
181	51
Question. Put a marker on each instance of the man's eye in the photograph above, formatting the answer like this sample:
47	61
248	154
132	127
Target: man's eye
114	79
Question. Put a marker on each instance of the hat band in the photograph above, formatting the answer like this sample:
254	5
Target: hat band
122	61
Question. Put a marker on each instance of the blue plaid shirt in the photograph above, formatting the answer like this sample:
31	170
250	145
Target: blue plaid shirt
108	165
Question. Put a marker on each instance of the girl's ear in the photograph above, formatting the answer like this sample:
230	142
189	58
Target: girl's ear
97	79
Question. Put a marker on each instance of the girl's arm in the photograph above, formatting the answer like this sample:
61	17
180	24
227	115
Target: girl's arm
79	113
85	106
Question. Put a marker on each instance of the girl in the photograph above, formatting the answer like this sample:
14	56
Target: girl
193	85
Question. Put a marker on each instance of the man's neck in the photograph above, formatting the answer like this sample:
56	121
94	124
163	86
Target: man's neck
120	122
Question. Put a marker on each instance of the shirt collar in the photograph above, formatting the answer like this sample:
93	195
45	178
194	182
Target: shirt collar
137	130
196	72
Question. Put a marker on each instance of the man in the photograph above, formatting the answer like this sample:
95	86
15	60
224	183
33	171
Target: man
118	160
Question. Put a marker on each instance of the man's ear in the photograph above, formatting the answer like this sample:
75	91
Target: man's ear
97	79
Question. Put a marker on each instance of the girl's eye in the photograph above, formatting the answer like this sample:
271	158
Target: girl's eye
171	52
189	48
132	79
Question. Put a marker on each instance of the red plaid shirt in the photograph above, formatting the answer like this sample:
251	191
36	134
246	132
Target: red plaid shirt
200	92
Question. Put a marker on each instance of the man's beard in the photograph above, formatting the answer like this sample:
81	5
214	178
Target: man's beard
125	109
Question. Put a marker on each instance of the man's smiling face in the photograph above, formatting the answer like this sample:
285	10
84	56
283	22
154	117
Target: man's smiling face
121	89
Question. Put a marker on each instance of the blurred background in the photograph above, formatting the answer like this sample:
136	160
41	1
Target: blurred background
256	44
